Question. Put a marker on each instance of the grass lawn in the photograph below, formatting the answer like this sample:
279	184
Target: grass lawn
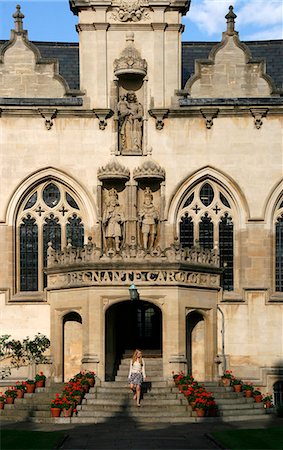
267	438
30	440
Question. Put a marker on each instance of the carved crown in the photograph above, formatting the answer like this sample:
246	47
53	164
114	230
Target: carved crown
130	60
149	169
113	170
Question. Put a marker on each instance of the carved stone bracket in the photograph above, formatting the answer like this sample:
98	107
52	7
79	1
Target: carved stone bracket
159	115
209	115
48	116
258	114
102	115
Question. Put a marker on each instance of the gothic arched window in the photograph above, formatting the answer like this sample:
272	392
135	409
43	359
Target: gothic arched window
206	217
279	248
49	213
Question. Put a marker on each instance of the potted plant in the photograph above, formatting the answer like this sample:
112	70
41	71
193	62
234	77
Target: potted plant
257	396
2	400
227	378
267	401
40	380
75	390
11	394
67	405
30	386
21	388
56	406
248	389
90	376
237	384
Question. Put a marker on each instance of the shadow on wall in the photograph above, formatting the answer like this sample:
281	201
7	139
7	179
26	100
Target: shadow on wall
278	388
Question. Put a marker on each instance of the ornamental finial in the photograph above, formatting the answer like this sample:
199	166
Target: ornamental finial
18	16
231	16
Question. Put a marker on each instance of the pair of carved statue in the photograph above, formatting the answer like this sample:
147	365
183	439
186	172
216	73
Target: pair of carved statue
114	222
130	116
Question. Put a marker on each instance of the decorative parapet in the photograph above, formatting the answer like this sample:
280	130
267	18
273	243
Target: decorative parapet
113	170
87	266
90	253
149	169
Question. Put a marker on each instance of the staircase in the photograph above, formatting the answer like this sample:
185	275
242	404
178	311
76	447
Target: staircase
234	406
114	401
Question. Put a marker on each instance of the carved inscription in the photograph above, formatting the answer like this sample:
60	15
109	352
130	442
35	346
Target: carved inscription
122	277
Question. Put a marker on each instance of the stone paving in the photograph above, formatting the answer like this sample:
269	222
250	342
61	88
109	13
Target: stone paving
125	435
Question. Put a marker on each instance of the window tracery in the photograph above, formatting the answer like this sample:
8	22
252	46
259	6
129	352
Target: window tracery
206	218
279	248
49	213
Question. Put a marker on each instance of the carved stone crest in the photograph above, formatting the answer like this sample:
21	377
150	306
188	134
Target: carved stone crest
130	10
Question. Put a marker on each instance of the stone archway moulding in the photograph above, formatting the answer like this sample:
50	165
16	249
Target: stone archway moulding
271	204
90	212
228	184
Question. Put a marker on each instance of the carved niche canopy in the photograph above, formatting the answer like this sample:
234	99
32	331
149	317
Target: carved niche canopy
149	169
130	10
113	170
130	61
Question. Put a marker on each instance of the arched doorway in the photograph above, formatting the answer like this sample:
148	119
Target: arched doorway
195	326
72	345
130	325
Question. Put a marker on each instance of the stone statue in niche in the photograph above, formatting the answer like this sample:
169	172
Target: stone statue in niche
148	219
113	222
130	115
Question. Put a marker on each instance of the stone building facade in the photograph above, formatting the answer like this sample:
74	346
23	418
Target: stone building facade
130	160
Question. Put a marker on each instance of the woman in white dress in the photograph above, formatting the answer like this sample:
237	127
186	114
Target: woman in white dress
137	374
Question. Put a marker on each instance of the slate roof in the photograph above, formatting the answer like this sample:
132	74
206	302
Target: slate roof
68	56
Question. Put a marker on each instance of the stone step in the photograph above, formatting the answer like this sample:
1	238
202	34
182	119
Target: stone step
147	401
149	372
154	410
239	412
226	401
121	395
238	406
149	378
124	384
142	411
119	420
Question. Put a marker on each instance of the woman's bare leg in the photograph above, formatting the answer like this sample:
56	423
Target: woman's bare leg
138	394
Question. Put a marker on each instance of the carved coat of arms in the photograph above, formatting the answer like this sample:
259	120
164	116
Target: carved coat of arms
130	10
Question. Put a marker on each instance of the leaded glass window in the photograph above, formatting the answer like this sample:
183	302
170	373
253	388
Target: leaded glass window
75	231
226	243
49	213
186	231
279	254
206	232
206	218
28	254
206	194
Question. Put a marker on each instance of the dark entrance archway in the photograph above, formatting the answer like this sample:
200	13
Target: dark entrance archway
130	325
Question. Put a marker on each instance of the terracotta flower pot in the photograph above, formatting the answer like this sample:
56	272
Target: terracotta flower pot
267	405
257	398
78	399
248	393
91	382
10	400
2	405
30	388
200	412
20	393
55	412
67	412
237	388
40	383
226	382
